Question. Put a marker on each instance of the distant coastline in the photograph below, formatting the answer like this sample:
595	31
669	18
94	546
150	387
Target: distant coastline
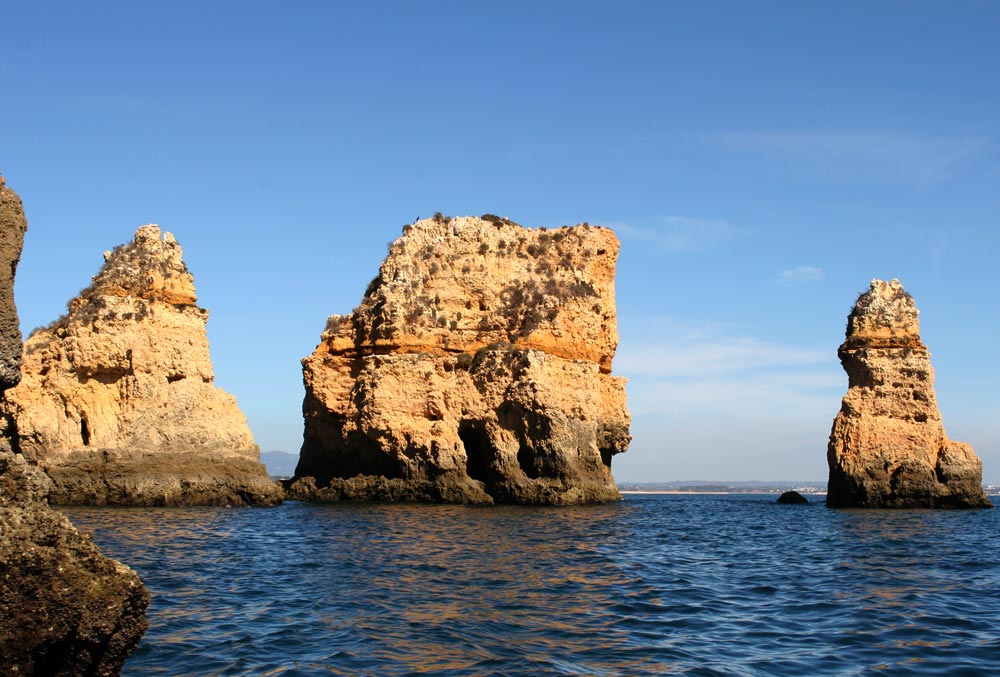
816	488
285	462
721	487
710	493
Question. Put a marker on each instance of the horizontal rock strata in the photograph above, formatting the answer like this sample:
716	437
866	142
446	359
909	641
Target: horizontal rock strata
888	447
117	401
476	369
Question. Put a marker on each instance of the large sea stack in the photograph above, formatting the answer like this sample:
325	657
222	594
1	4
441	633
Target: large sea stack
117	401
477	369
65	609
888	448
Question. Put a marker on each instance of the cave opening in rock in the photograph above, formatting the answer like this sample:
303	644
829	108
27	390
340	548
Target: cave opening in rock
84	431
527	459
479	452
606	455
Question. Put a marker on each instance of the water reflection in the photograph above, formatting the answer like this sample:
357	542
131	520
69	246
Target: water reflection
710	585
446	588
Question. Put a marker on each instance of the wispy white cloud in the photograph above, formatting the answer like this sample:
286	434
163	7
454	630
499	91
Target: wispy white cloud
712	403
701	371
711	356
714	450
800	275
683	234
766	397
888	157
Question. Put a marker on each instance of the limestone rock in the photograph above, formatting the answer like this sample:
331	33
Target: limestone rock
117	401
888	447
476	369
64	608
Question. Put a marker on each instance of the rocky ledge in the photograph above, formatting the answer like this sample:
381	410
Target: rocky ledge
477	369
117	401
888	447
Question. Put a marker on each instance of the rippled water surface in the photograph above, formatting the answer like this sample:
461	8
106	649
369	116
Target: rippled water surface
703	585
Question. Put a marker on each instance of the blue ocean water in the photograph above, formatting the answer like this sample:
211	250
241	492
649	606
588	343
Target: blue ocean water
655	584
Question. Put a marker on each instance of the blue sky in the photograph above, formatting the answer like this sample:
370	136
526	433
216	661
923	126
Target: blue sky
761	162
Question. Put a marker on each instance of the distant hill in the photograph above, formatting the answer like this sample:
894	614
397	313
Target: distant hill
279	463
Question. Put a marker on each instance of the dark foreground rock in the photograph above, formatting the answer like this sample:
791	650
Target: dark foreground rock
888	447
137	478
12	228
65	609
792	498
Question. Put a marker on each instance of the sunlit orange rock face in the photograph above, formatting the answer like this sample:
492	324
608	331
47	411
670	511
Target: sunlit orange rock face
476	369
888	447
117	401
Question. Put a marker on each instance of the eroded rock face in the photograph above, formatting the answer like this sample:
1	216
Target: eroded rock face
117	401
476	369
888	447
65	609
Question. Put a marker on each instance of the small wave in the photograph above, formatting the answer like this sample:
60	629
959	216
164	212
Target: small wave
727	585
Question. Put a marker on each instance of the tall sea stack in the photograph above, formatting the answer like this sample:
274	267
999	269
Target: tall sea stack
117	401
477	369
65	609
888	447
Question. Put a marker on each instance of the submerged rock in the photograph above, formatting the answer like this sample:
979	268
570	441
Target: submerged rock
65	609
476	369
792	498
888	447
117	401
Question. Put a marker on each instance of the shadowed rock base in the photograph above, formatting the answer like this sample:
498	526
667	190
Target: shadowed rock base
954	482
519	426
373	488
117	477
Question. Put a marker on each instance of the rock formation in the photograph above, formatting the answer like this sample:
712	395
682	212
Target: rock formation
476	369
64	608
117	401
888	447
792	498
12	228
